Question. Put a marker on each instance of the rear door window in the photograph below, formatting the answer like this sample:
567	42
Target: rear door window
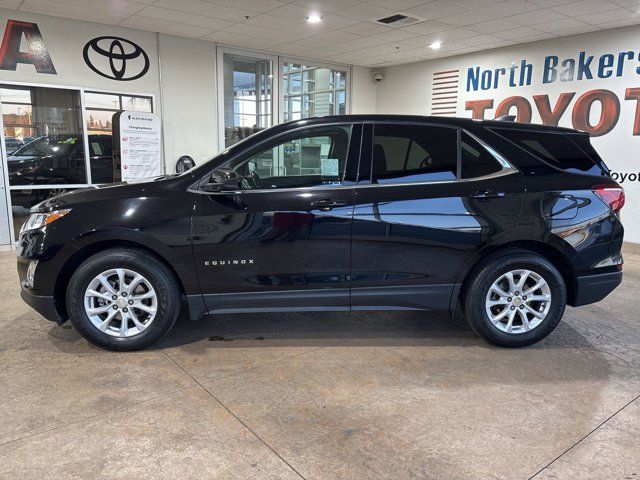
554	148
413	153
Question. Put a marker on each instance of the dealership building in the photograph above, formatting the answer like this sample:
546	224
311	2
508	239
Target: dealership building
214	74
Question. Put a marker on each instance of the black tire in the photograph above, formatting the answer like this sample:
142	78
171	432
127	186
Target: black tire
482	277
155	271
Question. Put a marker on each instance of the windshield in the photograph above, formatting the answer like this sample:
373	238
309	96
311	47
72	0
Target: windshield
48	146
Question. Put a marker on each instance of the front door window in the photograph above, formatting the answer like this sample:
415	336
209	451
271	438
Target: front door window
310	158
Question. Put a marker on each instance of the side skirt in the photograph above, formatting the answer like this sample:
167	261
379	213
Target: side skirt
421	297
413	297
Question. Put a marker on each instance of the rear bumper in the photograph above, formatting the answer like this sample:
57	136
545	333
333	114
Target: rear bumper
44	305
593	288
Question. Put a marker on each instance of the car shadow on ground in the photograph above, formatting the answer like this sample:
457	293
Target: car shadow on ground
322	329
326	329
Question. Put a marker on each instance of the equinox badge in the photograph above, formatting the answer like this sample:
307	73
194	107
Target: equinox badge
221	263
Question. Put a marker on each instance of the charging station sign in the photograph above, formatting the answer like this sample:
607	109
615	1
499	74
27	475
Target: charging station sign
139	145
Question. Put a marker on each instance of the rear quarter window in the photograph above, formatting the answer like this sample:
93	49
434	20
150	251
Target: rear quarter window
570	152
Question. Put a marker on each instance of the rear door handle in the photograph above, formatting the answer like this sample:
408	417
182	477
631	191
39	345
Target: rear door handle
327	204
488	194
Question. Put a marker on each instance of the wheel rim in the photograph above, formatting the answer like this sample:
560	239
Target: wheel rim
120	302
518	301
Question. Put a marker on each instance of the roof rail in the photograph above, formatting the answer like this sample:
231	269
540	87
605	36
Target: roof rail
506	118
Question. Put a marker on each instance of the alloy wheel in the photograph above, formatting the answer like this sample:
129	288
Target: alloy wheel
120	302
518	301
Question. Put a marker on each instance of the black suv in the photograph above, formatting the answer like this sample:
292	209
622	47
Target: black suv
505	223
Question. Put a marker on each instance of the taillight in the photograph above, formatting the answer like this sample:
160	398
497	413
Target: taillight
613	197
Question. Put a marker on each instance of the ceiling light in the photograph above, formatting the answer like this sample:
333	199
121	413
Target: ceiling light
314	18
435	45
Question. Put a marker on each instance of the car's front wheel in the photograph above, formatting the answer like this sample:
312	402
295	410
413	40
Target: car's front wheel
123	299
515	299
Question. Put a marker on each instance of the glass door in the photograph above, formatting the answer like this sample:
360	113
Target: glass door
44	145
246	85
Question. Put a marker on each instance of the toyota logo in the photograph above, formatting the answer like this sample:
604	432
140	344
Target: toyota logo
116	58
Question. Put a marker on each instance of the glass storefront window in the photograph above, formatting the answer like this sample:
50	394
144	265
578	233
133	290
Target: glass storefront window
45	141
101	100
99	121
310	91
44	138
137	104
248	86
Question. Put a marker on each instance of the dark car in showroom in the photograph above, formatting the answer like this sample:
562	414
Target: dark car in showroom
60	159
505	223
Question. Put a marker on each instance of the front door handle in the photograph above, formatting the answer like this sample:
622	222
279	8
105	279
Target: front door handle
327	204
488	194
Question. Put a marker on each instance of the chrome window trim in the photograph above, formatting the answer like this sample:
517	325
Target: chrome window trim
507	168
501	173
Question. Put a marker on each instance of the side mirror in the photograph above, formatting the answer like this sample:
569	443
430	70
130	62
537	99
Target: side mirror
222	180
184	163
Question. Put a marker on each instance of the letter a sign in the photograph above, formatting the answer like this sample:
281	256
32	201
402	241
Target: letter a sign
33	52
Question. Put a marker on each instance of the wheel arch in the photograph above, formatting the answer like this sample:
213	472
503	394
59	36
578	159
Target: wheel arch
546	250
91	248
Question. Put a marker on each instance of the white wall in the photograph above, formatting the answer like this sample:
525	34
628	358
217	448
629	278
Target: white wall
363	91
188	99
408	88
405	89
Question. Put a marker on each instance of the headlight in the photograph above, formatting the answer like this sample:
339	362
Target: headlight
39	220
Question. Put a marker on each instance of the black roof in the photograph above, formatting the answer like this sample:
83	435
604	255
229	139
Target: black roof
451	121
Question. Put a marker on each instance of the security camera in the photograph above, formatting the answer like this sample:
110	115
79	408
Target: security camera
377	76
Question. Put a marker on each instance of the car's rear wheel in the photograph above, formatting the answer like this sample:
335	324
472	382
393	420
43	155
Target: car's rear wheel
515	299
123	299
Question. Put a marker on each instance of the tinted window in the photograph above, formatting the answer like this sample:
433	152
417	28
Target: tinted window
556	149
583	142
413	153
313	157
476	161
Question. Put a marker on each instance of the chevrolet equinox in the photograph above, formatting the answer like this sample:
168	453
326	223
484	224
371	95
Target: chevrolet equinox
505	223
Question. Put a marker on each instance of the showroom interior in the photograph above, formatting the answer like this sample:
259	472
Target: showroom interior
313	395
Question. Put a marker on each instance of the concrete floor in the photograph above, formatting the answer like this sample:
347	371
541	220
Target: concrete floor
323	396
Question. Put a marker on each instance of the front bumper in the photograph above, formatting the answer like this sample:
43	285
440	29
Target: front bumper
44	305
593	288
41	301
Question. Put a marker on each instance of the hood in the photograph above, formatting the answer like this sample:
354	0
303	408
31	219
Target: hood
101	194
